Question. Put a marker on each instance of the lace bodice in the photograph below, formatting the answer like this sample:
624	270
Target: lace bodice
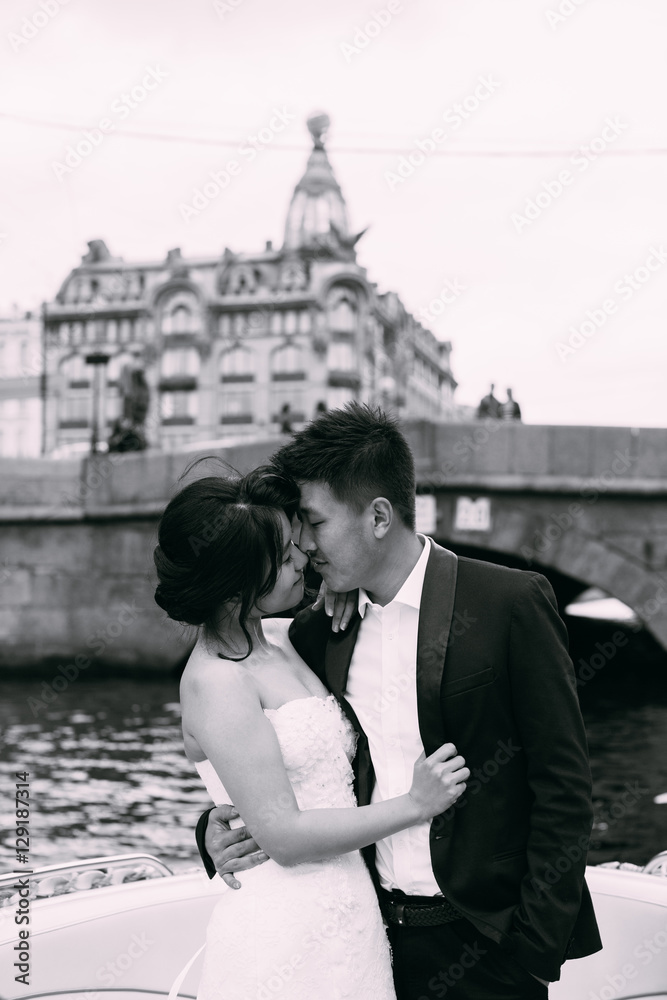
317	743
306	930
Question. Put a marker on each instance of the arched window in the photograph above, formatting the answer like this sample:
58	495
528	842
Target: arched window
288	363
181	313
237	365
342	311
179	361
242	281
341	356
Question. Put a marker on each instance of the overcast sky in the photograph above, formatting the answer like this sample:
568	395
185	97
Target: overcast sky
530	80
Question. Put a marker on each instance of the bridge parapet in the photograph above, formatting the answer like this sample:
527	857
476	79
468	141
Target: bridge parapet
536	457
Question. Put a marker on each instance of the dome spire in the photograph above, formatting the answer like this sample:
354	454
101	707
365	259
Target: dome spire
317	216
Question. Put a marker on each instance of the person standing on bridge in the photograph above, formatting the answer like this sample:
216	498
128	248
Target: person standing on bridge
510	409
488	899
489	407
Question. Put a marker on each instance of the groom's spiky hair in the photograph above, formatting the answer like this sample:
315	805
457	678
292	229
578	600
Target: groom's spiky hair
360	453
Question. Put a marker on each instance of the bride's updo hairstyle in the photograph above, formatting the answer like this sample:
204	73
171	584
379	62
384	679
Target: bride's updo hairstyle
220	543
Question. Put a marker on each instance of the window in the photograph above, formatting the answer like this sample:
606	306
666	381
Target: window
125	331
342	311
179	406
76	371
237	365
75	409
243	281
304	321
341	356
338	396
290	321
179	361
294	396
181	314
236	405
287	363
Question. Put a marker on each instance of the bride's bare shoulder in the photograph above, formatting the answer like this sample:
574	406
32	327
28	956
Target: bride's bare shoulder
207	673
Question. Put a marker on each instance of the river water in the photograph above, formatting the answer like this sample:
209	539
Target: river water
108	774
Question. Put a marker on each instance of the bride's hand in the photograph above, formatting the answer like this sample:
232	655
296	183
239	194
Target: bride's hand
438	781
339	607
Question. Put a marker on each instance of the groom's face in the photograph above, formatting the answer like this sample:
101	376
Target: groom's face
336	538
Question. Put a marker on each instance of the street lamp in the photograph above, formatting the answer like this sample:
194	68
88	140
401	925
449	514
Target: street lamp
99	360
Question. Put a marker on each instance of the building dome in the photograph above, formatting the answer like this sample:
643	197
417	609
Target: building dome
317	216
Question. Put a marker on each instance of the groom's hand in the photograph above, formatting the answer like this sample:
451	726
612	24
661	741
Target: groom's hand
339	607
230	850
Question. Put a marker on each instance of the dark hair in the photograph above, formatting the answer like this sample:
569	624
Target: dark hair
360	453
215	539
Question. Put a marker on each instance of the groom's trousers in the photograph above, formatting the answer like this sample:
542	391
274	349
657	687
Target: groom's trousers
457	962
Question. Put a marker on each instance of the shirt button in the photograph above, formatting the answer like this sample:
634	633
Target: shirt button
391	635
393	742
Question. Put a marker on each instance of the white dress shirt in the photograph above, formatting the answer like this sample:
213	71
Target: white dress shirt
382	690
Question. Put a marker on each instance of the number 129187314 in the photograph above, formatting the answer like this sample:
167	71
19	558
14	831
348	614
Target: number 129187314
22	818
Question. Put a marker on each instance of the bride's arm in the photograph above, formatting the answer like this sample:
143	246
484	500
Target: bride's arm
224	713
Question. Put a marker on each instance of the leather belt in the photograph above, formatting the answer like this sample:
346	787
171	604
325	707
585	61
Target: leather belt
417	911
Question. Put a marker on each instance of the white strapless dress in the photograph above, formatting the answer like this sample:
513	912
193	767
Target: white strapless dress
310	931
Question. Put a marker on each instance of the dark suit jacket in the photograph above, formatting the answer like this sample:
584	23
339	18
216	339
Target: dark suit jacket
494	678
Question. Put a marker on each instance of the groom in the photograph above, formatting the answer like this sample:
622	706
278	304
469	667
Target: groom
488	899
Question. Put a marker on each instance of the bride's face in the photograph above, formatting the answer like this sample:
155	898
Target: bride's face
288	589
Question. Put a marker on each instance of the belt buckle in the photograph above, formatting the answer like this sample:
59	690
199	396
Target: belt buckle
400	914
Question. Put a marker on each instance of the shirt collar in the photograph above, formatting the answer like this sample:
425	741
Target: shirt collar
410	593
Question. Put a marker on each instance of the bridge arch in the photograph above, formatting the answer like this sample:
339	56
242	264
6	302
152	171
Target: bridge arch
580	556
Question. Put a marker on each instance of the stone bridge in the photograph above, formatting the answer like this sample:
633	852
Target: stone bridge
586	505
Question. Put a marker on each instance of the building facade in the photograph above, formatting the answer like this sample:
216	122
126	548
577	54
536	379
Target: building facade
21	368
226	343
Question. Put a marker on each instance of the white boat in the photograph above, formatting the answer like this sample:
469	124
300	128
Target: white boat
123	928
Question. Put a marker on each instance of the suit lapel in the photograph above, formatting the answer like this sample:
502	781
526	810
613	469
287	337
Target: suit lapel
435	620
338	655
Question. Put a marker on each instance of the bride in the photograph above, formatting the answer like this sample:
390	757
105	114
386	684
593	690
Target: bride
265	734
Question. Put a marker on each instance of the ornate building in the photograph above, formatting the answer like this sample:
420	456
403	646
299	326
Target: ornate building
226	342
